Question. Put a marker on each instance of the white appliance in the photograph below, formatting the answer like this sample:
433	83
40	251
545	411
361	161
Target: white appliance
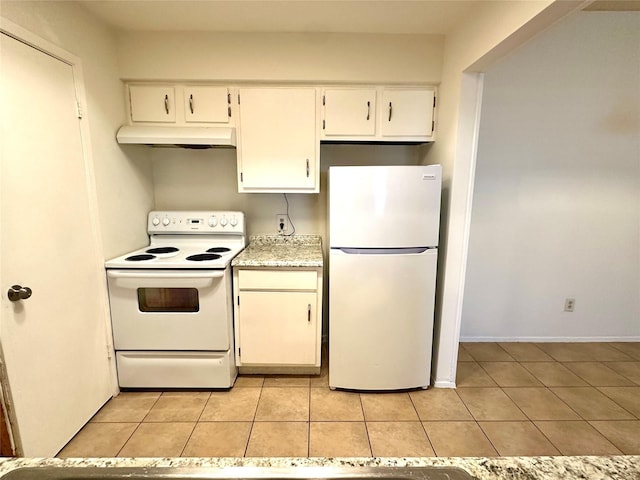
383	238
171	302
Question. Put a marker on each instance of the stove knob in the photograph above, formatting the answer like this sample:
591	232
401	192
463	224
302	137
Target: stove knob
155	221
166	221
223	221
213	221
234	221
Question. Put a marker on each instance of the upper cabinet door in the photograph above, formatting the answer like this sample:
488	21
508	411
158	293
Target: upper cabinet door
349	111
278	147
151	103
407	112
206	104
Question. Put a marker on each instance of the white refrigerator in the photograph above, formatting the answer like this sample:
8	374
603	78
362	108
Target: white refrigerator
383	239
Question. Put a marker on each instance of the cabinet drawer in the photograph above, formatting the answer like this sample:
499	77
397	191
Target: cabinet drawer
277	280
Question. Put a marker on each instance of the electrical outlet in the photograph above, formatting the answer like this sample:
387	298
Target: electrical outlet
283	225
569	304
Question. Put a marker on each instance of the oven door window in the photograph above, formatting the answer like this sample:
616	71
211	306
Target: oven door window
168	300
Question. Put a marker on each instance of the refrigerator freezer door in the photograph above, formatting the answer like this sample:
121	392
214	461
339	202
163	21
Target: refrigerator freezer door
381	319
378	207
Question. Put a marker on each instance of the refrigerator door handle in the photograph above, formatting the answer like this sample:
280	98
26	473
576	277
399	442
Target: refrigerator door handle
384	251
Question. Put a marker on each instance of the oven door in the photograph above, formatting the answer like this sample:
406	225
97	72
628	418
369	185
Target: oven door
170	309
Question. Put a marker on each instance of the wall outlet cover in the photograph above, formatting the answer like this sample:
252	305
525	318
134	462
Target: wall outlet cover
283	225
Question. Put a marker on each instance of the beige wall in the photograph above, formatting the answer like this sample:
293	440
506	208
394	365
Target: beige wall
491	31
123	178
280	57
556	209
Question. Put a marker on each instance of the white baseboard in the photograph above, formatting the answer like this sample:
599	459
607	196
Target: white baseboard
550	339
444	384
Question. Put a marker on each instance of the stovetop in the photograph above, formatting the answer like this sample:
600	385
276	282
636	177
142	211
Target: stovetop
187	240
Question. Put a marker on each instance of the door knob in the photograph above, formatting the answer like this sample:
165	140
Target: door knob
17	292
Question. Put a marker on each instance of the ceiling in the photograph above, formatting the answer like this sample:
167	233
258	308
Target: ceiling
328	16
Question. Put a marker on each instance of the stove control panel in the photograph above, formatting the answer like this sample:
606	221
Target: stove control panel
196	222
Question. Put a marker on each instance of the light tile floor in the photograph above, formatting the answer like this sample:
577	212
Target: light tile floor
512	399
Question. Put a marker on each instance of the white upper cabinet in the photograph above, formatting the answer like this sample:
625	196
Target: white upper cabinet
154	103
278	142
349	112
379	114
206	104
182	105
407	112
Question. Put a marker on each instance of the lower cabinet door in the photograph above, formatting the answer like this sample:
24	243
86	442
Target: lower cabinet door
277	328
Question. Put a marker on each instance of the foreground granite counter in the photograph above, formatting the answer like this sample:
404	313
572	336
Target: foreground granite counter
520	468
281	251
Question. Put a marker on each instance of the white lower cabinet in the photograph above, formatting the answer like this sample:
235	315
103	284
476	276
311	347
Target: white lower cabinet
278	320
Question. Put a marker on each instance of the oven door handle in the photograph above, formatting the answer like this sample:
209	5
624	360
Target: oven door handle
176	279
172	274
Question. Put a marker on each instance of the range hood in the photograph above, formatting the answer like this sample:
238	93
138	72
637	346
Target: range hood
187	137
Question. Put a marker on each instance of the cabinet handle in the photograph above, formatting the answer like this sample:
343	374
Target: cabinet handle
307	168
166	104
390	111
368	110
191	103
309	313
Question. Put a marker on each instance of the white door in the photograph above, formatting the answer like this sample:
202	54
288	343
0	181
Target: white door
384	206
54	343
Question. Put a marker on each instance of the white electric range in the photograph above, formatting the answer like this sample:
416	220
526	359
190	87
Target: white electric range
171	302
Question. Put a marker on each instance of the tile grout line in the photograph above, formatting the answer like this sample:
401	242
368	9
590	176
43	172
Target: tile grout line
529	420
366	425
151	408
476	422
433	448
309	424
623	375
195	425
128	438
253	421
591	384
139	423
611	440
613	400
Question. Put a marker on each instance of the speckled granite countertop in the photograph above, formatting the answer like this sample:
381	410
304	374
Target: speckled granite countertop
519	468
281	251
